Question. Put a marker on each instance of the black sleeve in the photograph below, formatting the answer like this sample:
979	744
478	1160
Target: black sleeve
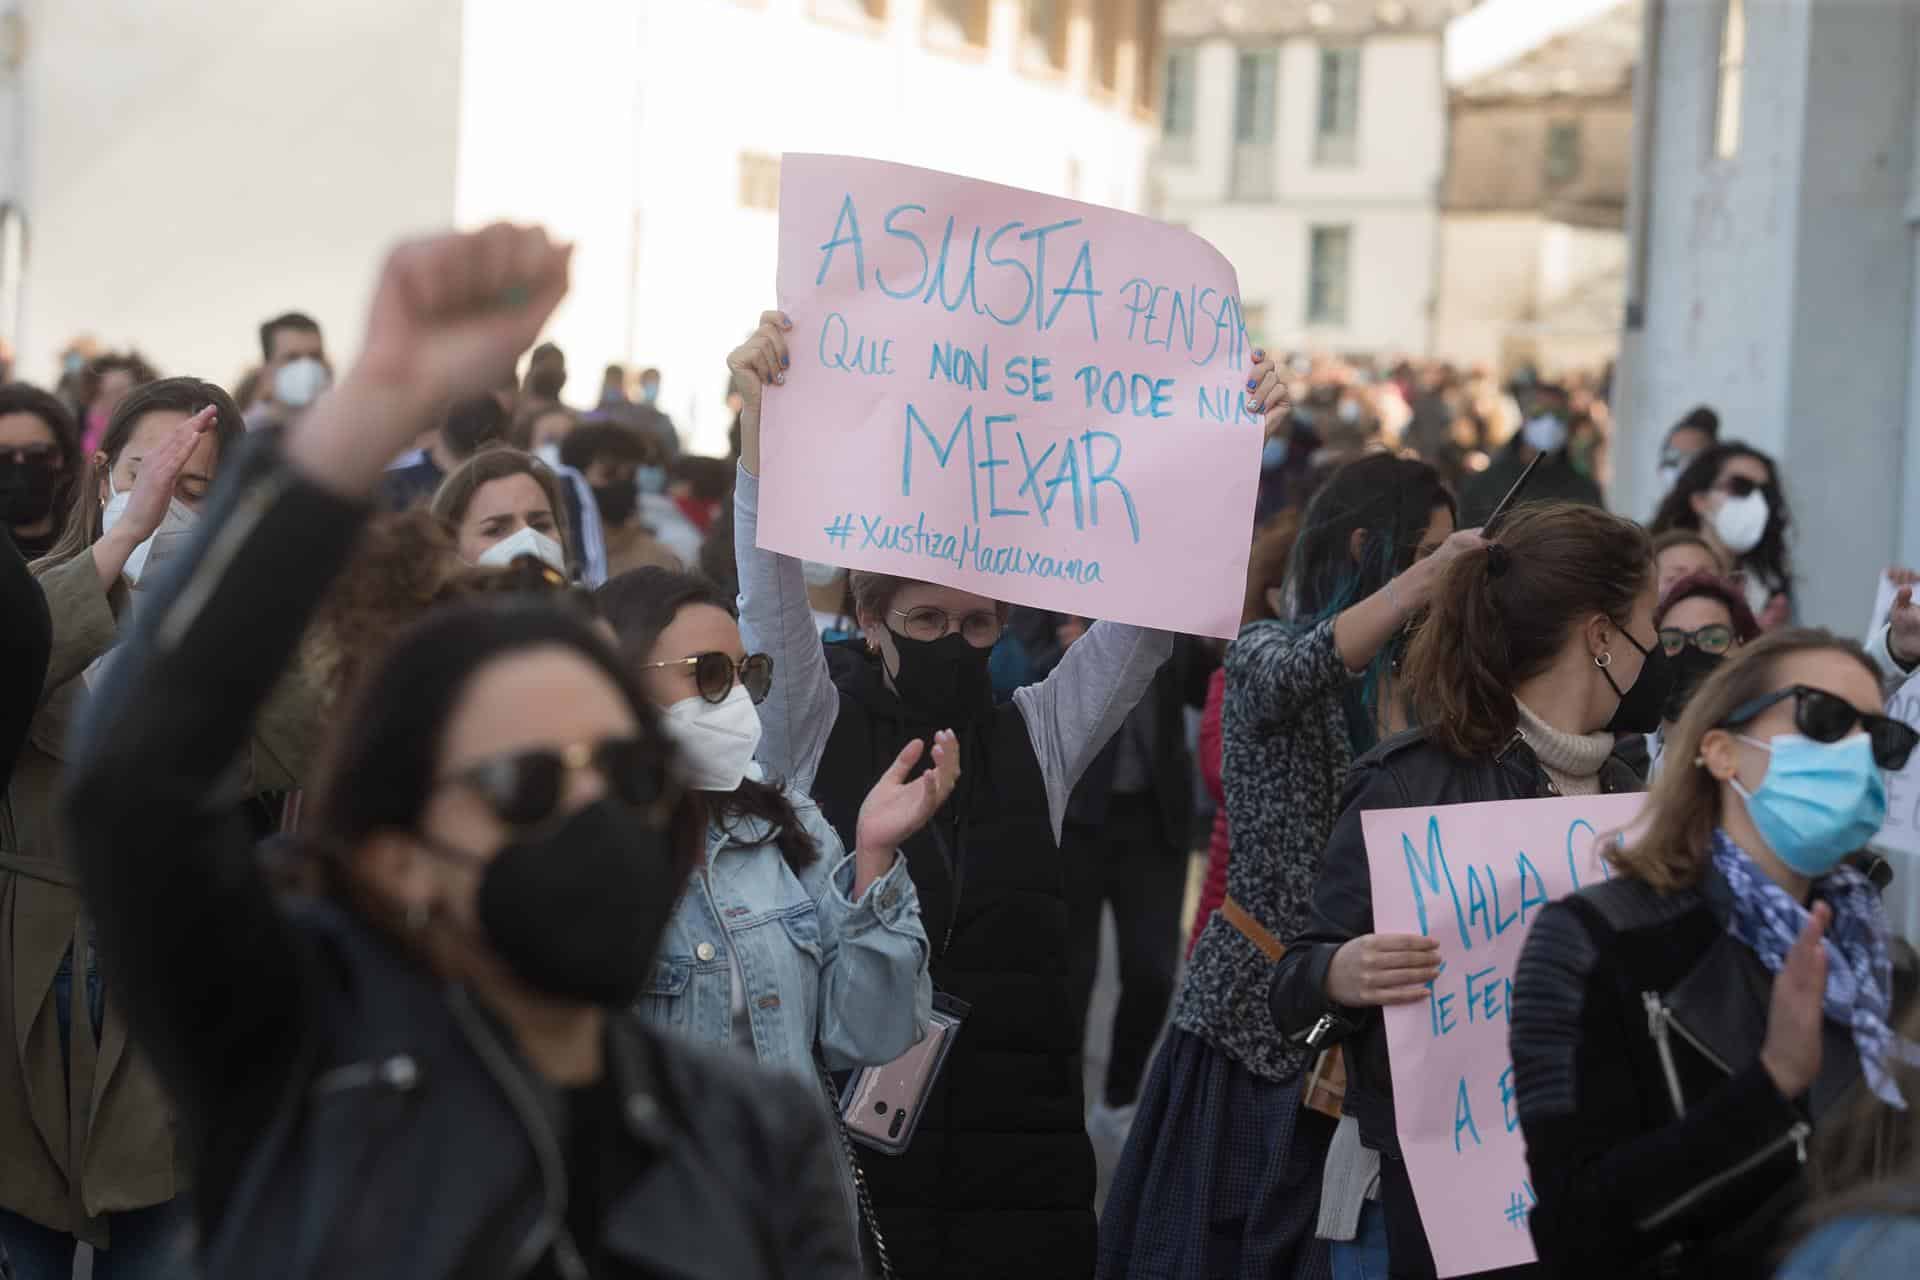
1609	1203
1342	911
211	973
26	639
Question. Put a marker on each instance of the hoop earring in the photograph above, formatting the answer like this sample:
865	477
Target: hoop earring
1604	661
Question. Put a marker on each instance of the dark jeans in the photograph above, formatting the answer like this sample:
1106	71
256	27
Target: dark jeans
147	1244
1126	862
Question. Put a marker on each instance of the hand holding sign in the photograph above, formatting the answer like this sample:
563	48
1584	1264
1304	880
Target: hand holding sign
1473	878
1383	969
1791	1052
756	364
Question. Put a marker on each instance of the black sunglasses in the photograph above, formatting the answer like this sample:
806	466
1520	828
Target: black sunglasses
714	674
524	789
1826	717
1740	486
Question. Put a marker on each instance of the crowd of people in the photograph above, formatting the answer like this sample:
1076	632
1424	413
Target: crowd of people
439	840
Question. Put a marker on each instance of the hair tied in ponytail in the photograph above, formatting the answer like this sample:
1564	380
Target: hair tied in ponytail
1499	559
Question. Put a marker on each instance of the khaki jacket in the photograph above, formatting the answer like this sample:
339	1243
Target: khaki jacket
94	1135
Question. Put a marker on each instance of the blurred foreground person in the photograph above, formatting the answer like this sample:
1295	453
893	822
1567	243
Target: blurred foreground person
432	1072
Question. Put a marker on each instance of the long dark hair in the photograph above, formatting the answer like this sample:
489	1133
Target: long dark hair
170	395
22	397
381	767
1501	616
1676	509
640	605
1390	500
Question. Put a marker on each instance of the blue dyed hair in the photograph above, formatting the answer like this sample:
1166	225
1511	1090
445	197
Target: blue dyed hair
1390	501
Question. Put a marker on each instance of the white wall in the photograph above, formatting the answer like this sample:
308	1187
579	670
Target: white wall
670	271
1780	286
780	81
1389	197
190	169
1720	268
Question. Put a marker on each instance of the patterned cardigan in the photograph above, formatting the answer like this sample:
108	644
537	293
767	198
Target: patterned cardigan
1286	753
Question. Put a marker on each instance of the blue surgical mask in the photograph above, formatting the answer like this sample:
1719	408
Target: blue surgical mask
1273	454
1819	802
651	479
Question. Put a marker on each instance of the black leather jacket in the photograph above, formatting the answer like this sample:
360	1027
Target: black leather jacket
1404	771
351	1113
1658	1145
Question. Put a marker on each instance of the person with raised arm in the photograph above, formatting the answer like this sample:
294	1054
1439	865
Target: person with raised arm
999	1179
432	1070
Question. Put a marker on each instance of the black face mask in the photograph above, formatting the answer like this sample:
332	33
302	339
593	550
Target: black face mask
945	678
578	912
617	502
1690	670
1641	706
26	490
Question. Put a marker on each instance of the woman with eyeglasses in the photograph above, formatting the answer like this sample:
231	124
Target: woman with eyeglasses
1730	495
1679	1031
999	1179
785	944
1703	618
434	1070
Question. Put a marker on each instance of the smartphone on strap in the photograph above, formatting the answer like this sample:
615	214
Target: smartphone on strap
882	1105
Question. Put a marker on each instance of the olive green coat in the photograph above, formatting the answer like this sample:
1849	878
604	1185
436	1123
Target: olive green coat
93	1136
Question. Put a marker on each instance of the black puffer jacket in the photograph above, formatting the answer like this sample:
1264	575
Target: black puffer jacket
1403	772
1658	1144
999	1180
350	1113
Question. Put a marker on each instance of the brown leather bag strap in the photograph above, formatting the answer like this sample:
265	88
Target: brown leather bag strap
1252	930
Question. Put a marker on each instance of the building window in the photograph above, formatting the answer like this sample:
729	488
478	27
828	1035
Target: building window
1254	108
1146	53
759	180
1327	256
1106	46
853	12
957	22
1563	152
1733	68
1336	132
1043	42
1176	105
13	270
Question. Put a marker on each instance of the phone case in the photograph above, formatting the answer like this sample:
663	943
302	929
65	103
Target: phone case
881	1105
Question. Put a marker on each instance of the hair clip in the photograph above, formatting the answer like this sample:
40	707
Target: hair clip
1499	559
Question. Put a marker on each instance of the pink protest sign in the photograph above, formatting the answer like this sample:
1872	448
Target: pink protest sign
1033	399
1474	877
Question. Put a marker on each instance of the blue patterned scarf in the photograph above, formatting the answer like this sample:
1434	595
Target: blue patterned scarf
1859	974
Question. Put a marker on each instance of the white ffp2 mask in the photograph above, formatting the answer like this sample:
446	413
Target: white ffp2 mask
174	529
527	542
716	739
1742	522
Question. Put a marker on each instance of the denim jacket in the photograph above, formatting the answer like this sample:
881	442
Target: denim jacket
817	965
